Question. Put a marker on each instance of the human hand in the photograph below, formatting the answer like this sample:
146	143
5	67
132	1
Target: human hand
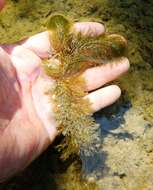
2	2
27	123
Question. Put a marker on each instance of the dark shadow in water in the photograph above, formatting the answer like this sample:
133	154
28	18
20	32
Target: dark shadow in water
94	166
110	120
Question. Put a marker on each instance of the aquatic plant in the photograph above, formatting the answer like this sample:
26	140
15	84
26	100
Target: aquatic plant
73	53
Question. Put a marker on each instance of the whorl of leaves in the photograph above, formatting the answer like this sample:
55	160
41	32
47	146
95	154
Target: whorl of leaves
73	53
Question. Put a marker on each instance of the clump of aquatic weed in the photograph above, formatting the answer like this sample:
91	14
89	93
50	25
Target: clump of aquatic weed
72	54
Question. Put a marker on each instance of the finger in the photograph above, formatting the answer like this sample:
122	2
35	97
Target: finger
2	3
40	43
27	64
88	28
103	97
97	76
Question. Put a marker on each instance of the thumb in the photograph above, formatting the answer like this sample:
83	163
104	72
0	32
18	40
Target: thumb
2	3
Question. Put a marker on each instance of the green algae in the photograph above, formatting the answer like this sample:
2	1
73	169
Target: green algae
131	18
76	53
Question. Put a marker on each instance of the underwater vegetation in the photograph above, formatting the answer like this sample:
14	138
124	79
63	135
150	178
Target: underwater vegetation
133	19
73	53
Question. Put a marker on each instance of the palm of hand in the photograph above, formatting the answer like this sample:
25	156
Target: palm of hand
28	124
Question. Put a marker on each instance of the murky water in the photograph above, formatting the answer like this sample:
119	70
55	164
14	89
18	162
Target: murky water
126	127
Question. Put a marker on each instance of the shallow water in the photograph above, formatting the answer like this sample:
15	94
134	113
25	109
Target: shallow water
126	127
